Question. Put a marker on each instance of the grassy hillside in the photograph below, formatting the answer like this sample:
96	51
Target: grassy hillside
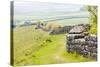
38	47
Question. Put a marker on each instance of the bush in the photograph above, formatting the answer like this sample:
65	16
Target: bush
53	26
93	19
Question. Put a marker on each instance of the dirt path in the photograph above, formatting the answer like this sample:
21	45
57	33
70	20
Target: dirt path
57	55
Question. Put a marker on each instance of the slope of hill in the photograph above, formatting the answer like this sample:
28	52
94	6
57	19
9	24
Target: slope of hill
38	47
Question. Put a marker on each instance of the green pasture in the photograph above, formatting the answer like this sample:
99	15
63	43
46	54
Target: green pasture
38	47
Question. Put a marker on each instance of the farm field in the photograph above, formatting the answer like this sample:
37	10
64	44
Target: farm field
38	47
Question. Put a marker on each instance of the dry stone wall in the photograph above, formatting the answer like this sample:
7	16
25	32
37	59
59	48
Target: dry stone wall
83	44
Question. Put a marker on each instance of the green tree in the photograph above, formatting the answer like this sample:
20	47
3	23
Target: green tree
93	18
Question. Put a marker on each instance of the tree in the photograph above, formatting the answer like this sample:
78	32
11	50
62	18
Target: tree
93	18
